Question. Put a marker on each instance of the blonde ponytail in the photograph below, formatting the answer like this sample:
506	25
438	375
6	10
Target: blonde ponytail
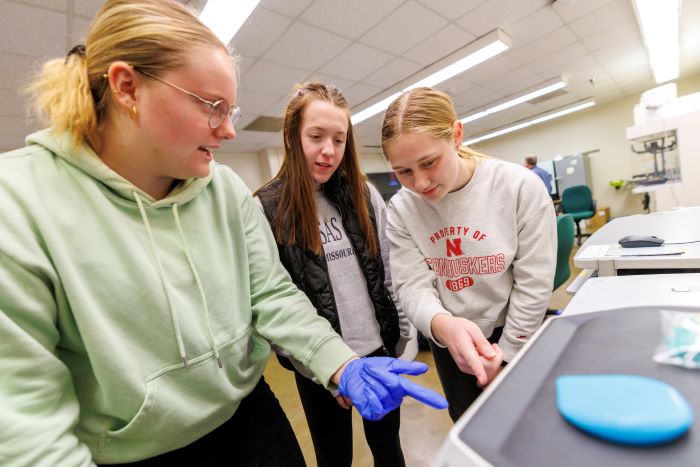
61	92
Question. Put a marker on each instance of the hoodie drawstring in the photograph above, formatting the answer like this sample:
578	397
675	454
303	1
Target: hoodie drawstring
212	343
171	307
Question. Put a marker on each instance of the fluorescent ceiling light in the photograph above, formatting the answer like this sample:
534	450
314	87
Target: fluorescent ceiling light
513	102
225	17
456	63
658	20
460	66
534	121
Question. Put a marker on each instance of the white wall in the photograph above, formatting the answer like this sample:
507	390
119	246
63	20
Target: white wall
247	165
599	127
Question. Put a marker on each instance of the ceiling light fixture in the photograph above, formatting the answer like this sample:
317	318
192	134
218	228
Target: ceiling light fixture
518	100
225	17
534	121
659	21
458	62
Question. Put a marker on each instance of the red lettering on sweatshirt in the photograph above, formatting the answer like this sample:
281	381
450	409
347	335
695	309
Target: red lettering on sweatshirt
459	284
468	265
454	246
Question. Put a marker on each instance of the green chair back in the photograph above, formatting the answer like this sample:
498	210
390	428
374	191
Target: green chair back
577	199
565	242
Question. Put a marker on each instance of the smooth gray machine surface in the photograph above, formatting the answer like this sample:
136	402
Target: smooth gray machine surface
520	425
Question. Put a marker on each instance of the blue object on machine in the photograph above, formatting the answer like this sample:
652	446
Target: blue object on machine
627	409
375	388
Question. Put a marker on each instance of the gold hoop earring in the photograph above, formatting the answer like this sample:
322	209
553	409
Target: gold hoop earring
132	113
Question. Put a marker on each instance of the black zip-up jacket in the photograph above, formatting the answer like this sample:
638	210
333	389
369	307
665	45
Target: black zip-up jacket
309	270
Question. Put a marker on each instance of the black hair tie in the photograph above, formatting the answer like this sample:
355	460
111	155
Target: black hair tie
77	50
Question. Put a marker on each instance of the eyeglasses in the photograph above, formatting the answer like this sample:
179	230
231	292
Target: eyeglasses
218	111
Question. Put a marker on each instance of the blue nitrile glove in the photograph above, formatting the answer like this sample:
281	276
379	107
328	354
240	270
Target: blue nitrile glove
375	388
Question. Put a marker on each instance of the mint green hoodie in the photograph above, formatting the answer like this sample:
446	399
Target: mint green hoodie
115	307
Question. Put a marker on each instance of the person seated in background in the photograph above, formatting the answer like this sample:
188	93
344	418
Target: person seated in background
531	163
140	284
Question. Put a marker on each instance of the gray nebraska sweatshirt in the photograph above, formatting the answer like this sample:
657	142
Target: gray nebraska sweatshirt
486	252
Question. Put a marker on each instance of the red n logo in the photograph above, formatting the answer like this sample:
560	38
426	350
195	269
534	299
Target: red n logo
454	246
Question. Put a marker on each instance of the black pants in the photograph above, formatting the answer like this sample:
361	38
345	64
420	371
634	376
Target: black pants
460	388
331	428
258	434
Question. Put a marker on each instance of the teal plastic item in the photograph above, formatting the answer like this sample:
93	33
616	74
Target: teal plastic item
627	409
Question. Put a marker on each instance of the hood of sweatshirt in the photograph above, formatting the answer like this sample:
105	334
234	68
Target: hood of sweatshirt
86	160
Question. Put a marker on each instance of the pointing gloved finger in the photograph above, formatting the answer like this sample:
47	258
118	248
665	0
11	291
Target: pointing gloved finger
424	395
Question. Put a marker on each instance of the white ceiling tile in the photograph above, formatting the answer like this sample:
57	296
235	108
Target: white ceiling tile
575	67
58	5
471	99
514	83
393	72
544	45
490	69
357	61
267	77
280	106
451	9
350	19
17	70
303	46
16	23
339	83
557	58
455	85
79	32
401	31
534	26
498	14
288	7
12	104
244	64
258	33
87	8
631	64
254	103
605	18
439	45
624	33
619	52
570	10
358	93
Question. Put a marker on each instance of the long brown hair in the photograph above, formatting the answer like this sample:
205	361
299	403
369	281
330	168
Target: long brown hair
423	110
151	35
296	220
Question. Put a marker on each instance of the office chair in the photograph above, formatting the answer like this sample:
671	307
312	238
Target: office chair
565	243
578	201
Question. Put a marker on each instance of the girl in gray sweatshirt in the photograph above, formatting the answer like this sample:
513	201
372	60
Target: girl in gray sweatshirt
473	244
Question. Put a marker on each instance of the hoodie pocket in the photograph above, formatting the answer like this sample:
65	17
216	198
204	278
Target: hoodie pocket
183	404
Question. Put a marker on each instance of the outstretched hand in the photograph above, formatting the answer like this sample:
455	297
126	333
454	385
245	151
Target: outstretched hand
470	349
375	388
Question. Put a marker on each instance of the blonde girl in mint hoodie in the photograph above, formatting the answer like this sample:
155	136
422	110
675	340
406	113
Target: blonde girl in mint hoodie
140	286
